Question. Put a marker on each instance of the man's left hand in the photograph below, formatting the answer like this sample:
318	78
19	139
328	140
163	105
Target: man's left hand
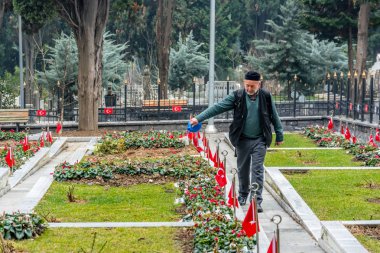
278	143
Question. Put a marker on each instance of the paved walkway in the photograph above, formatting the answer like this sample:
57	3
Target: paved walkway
26	195
293	238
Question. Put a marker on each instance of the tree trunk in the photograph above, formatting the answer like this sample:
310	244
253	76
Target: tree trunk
163	34
361	51
2	10
351	62
87	18
29	69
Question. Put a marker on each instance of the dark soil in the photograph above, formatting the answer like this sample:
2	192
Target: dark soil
185	237
374	200
147	153
371	231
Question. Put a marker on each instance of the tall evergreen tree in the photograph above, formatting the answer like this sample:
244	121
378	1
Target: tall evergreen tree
186	62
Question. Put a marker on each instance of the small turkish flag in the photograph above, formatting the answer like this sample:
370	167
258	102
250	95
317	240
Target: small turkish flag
41	113
176	108
108	111
42	140
231	197
354	139
25	144
220	177
9	158
371	142
341	130
273	245
347	134
366	108
49	137
331	124
59	127
249	223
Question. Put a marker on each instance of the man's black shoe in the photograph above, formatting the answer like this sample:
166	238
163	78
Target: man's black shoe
259	209
242	200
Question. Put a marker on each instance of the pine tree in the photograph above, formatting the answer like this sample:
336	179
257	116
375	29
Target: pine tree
290	50
186	62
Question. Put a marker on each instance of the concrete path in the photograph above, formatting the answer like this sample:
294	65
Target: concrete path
26	195
293	238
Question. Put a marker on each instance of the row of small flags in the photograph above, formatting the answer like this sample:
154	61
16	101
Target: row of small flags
250	223
9	158
347	134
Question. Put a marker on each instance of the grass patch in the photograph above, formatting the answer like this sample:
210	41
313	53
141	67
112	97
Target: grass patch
118	240
294	141
143	202
370	243
319	158
339	194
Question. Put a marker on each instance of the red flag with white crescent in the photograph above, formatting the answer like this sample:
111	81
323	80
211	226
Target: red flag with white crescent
249	223
59	127
220	177
232	197
9	158
331	124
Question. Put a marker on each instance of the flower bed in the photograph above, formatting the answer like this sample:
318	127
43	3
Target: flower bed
215	228
21	226
11	135
174	166
113	143
366	152
19	154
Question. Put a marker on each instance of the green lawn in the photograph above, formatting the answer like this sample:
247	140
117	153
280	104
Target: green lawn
294	141
66	240
371	244
339	194
143	202
302	158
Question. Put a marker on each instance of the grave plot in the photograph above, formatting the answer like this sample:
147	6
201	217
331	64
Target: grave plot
339	194
130	177
310	158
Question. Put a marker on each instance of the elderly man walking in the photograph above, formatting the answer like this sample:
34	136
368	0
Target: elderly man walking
250	131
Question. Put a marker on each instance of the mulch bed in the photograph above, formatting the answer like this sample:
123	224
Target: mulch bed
146	153
185	236
371	231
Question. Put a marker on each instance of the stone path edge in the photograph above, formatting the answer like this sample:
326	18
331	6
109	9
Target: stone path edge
119	224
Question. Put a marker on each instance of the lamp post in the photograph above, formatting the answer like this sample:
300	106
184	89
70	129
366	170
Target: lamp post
210	125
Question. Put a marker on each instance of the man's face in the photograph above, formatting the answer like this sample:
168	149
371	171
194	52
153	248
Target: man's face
251	86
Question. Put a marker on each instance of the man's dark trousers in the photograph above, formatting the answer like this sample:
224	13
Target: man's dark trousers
250	160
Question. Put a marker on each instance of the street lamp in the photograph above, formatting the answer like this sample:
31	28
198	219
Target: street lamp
210	125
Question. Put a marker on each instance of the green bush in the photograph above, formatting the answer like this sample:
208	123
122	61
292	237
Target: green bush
21	225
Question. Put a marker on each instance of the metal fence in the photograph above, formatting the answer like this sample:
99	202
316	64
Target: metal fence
332	96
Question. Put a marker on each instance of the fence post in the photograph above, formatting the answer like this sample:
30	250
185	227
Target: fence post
371	100
328	93
355	94
228	90
341	93
125	99
294	96
348	93
334	90
158	97
363	94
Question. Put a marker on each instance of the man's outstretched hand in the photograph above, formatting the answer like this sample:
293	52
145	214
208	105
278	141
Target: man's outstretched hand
193	122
